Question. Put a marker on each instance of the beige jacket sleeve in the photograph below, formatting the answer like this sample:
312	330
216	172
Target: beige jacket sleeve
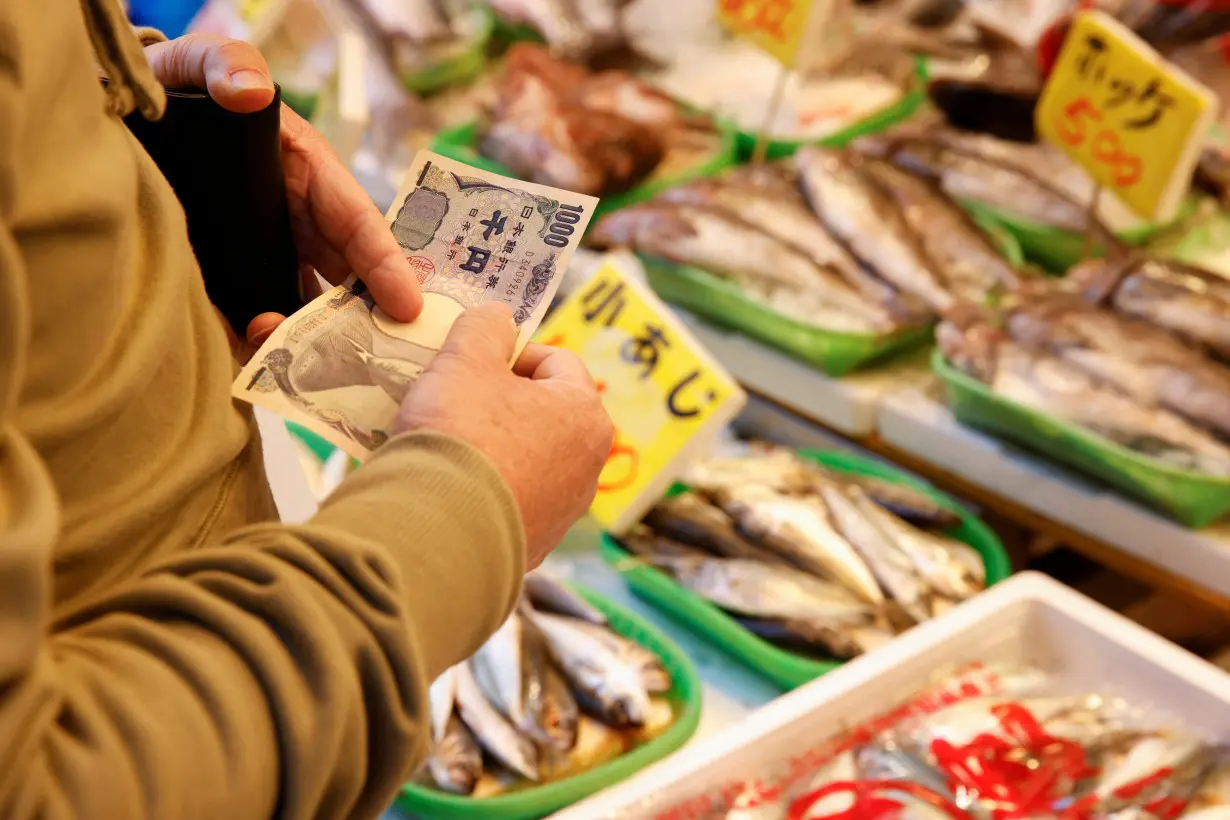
281	671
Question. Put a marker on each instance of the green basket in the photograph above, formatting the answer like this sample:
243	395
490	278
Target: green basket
882	120
723	303
787	669
537	801
461	143
1057	249
461	68
1194	499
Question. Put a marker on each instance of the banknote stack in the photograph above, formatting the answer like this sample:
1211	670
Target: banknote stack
341	367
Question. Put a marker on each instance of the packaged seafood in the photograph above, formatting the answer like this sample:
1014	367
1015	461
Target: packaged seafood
793	563
572	694
1029	701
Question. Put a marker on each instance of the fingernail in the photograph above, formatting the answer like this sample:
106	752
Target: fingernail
250	80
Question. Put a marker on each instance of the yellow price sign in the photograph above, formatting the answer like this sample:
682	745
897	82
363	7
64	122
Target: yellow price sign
666	395
1135	122
782	27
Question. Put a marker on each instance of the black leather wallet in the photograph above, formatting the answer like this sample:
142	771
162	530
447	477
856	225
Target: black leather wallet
226	169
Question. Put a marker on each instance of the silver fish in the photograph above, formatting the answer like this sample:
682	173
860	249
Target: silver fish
497	668
862	522
441	696
1055	387
765	591
971	265
549	595
941	564
1188	301
841	641
1140	360
605	682
724	244
456	761
800	529
788	219
693	521
654	676
854	207
560	712
493	731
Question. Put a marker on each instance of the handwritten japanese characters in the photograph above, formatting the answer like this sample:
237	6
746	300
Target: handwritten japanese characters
666	395
341	367
782	27
1135	122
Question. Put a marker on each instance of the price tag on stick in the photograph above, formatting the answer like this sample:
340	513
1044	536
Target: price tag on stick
800	34
1135	122
666	395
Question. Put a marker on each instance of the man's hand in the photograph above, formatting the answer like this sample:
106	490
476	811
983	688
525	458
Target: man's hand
542	424
337	229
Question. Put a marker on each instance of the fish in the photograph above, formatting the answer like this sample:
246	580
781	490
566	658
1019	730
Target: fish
492	730
1032	181
972	267
862	523
559	712
1170	765
535	664
1184	299
1137	358
943	565
1059	389
759	590
654	676
596	743
441	696
691	520
549	595
800	530
498	669
841	642
787	218
456	761
644	542
863	216
905	502
719	241
606	684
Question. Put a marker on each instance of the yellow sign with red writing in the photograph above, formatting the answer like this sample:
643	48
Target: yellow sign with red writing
784	27
1134	121
666	395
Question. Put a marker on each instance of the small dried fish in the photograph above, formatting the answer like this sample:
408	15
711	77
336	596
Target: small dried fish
497	668
841	642
607	684
456	761
493	731
691	520
549	595
559	712
800	529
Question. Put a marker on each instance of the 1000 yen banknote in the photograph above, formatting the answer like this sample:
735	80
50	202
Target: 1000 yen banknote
341	367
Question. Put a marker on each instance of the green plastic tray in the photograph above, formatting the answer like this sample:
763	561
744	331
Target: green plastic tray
537	801
899	111
460	143
836	354
1194	499
787	669
460	69
1057	249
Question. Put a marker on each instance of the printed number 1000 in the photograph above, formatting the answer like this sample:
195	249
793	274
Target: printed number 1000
562	223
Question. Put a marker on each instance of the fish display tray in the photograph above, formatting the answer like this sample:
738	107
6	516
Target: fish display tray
904	108
788	669
1057	249
538	801
1193	499
1029	619
461	68
461	143
723	303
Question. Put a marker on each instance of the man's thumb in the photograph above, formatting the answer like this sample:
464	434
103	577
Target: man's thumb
484	334
234	73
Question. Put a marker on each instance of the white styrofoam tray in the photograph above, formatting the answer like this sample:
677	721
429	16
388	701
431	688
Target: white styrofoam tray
1026	619
915	422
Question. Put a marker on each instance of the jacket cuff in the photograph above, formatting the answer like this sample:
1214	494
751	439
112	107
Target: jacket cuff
449	521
